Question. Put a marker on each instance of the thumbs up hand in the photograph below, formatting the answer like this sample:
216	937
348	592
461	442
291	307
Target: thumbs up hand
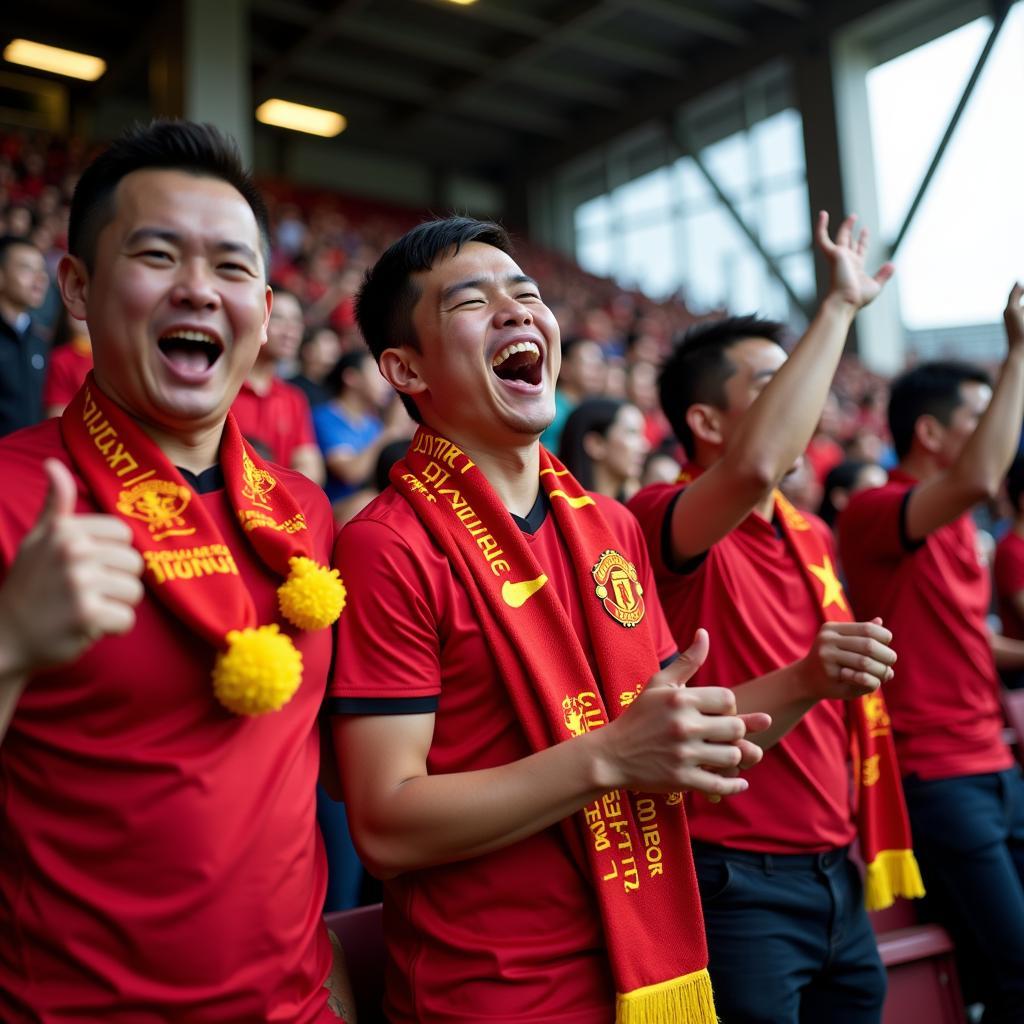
75	579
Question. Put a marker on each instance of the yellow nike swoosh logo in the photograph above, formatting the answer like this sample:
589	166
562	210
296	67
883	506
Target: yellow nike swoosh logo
578	502
515	595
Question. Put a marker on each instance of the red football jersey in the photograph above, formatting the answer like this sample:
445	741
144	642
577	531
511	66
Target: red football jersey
1008	573
275	423
513	935
752	596
934	596
161	860
66	372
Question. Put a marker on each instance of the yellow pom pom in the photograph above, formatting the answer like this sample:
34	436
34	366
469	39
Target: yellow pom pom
313	596
259	672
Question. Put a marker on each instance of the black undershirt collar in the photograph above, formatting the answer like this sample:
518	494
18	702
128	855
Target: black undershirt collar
209	480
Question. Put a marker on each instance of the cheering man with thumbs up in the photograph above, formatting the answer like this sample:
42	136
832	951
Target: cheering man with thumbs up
164	606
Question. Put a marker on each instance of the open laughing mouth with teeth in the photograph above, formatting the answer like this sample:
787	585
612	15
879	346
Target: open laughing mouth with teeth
519	362
190	351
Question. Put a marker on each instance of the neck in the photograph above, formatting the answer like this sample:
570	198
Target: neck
513	471
195	451
354	404
261	375
920	465
606	482
10	311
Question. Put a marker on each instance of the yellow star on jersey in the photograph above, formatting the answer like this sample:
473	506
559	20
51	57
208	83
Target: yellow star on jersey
833	593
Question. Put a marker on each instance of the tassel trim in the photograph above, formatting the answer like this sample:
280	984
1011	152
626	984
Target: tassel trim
892	873
684	1000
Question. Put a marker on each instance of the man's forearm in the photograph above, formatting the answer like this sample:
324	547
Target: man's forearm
784	694
1007	652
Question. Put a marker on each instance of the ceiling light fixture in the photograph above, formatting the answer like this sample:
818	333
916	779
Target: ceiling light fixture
300	118
54	59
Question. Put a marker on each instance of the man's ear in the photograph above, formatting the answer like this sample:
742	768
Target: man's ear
269	299
705	423
929	433
400	367
594	445
73	280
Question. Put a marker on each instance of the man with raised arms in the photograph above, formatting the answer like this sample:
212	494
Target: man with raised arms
159	683
788	936
509	708
910	549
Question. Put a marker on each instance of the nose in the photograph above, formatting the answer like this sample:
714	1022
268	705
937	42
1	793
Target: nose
194	287
512	313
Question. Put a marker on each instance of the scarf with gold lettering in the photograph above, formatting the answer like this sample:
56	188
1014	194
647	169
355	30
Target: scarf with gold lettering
188	566
882	824
633	846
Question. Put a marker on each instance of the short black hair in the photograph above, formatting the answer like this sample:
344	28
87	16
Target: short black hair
388	295
931	389
163	144
844	477
1015	482
698	367
334	382
8	242
591	416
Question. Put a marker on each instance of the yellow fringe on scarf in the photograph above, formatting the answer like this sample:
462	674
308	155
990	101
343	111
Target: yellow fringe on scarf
684	1000
892	873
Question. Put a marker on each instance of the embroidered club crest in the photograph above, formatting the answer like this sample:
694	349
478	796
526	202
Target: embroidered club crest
256	482
618	588
159	504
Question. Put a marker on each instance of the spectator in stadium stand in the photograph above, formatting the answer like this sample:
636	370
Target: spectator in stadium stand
273	415
844	481
362	418
788	935
159	735
497	617
1008	570
23	284
318	353
604	446
911	555
70	363
583	375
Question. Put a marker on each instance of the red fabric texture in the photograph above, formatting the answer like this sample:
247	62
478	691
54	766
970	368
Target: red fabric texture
944	701
161	860
276	423
1008	575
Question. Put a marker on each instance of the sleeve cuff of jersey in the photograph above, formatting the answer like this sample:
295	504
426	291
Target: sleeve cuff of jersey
906	542
669	559
381	705
665	662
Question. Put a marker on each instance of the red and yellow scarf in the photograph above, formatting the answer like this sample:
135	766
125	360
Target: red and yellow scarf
634	846
188	566
882	824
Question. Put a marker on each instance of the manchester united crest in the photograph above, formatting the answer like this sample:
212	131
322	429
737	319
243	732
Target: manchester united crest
159	504
618	589
257	483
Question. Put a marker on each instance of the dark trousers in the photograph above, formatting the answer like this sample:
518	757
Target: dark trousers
969	841
788	937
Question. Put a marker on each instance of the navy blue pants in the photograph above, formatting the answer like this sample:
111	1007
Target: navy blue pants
969	841
789	939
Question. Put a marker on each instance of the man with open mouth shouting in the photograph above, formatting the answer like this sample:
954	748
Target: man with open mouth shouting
157	814
510	709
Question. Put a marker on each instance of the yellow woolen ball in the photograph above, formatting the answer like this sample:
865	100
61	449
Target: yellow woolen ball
313	596
259	672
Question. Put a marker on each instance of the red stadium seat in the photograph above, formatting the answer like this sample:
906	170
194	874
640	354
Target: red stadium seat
918	958
361	932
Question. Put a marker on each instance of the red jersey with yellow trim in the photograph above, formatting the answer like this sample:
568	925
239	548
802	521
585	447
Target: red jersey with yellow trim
934	596
160	859
1008	575
513	935
751	595
275	423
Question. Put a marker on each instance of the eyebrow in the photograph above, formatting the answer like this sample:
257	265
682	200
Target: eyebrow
174	238
479	282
